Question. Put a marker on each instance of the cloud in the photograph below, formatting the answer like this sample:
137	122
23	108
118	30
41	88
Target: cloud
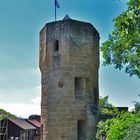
19	95
36	100
21	109
19	78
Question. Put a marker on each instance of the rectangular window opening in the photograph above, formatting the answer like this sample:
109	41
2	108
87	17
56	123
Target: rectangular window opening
56	46
81	130
80	87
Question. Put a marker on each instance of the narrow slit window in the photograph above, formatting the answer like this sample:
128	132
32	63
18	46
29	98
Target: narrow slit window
95	96
56	45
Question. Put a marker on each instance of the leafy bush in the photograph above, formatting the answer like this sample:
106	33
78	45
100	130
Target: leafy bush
133	132
120	127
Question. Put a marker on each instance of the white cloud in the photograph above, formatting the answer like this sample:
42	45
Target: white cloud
19	95
36	100
35	71
21	109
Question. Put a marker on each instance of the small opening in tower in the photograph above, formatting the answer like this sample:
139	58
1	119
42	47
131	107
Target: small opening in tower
56	45
81	129
80	87
96	96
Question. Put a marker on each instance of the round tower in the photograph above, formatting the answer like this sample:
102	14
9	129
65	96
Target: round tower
69	62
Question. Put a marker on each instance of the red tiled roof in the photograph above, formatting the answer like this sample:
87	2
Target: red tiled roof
22	124
35	122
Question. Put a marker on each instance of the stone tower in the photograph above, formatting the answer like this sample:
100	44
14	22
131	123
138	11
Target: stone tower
69	62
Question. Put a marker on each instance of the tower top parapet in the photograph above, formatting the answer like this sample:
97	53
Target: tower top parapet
68	21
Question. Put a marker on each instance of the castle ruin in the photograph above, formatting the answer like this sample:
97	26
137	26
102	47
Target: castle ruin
69	62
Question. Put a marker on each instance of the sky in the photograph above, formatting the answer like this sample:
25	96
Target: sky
20	23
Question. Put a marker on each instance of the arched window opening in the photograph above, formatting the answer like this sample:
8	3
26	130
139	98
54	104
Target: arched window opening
56	45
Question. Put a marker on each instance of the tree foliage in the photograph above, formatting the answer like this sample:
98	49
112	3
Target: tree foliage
5	114
122	49
103	101
106	107
133	133
137	107
122	126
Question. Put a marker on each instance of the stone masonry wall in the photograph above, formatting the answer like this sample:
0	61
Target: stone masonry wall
69	62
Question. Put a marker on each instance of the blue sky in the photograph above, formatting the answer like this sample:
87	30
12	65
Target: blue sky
20	23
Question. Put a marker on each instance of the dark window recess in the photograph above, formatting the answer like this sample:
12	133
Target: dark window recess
95	96
80	87
56	55
81	130
56	46
42	131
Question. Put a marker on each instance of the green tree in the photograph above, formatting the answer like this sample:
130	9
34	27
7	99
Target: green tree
137	107
122	49
122	125
5	114
106	107
133	132
103	101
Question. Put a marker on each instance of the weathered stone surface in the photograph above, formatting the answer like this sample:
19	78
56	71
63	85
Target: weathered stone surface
69	62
